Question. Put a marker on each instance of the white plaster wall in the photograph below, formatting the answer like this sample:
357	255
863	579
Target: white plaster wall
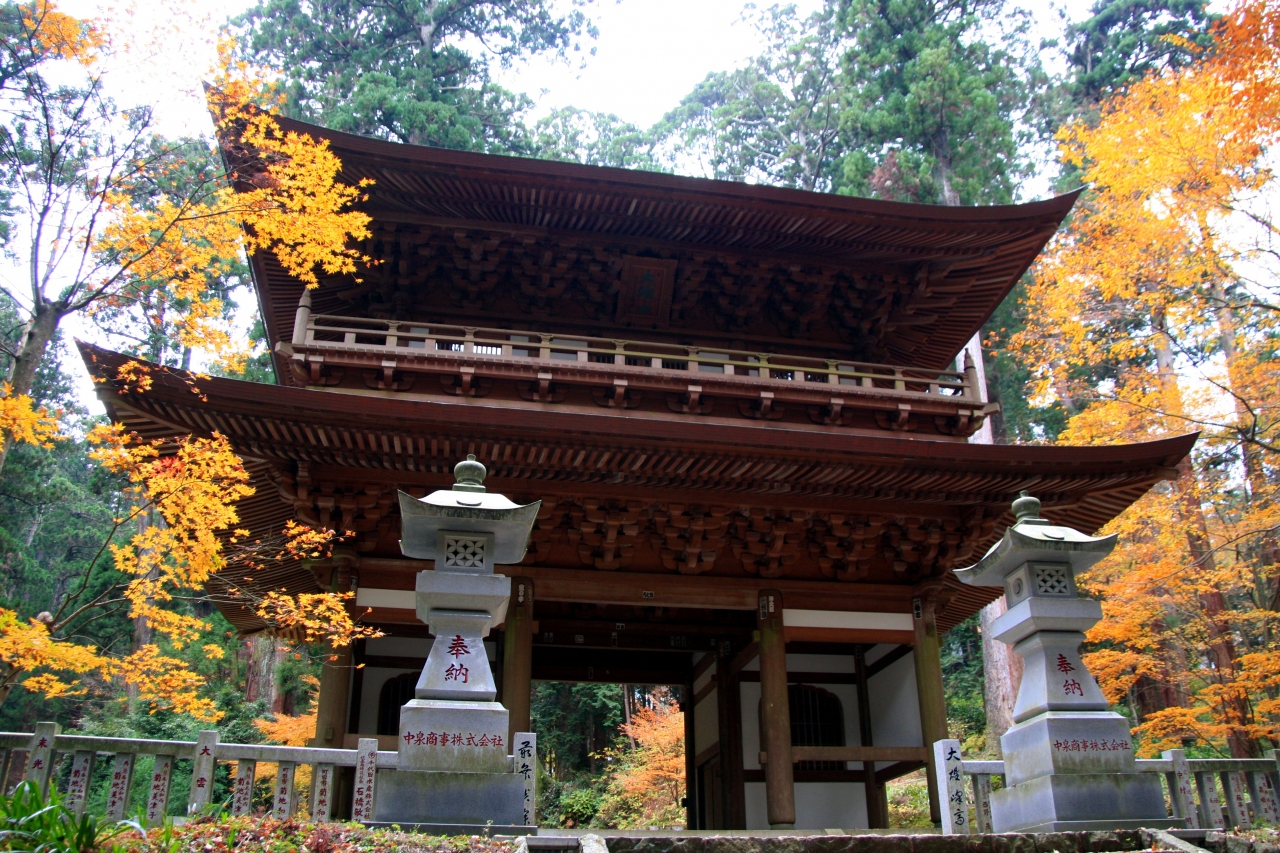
895	708
399	647
819	805
372	679
706	723
895	721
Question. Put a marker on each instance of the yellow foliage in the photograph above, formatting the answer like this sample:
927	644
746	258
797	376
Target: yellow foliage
22	420
1155	313
59	35
645	785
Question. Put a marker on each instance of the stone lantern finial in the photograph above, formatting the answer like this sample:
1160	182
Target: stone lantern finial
470	475
1026	508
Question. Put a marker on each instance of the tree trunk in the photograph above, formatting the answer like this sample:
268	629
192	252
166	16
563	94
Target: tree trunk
260	672
22	370
1002	675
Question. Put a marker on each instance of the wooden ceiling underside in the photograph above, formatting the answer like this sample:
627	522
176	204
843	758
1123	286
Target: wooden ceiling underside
926	277
678	498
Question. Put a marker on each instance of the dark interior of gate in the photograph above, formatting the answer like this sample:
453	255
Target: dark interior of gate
741	407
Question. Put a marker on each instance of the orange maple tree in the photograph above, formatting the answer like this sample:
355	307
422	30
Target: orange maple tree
125	224
1157	312
137	231
190	495
647	783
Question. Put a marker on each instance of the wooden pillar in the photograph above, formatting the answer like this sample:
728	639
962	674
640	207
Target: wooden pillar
775	713
517	657
335	693
729	701
933	702
335	672
877	796
691	793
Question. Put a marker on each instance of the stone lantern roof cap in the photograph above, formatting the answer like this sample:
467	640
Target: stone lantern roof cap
1032	538
466	508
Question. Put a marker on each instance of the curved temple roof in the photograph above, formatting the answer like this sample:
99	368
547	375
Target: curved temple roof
962	261
383	444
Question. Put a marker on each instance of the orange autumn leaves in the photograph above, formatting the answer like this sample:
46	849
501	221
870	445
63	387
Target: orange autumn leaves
646	784
1157	312
183	500
157	246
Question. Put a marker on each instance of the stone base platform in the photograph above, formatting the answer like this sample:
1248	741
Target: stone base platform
1085	801
452	829
492	801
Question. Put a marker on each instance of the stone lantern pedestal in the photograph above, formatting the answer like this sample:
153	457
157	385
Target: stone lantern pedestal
1068	758
454	770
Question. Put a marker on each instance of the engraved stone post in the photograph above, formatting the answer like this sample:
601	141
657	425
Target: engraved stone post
120	785
40	754
242	788
1069	761
78	781
158	793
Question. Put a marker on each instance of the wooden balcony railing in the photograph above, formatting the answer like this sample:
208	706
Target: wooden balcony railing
390	350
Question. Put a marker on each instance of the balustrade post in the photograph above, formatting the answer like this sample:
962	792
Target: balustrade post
1210	802
393	334
1263	793
1233	785
302	319
1179	781
78	782
948	768
982	803
284	793
525	747
121	785
322	793
40	754
158	793
366	779
971	389
242	787
202	771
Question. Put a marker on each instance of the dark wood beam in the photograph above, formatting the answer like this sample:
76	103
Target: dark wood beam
888	659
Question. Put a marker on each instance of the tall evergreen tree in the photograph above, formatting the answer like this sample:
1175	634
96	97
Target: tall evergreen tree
416	71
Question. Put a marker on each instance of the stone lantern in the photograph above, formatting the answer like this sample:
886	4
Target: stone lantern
1068	758
453	765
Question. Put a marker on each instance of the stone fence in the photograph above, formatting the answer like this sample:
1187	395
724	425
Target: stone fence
37	757
1205	793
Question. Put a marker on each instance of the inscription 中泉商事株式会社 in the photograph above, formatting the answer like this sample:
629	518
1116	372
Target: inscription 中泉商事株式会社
1090	745
421	738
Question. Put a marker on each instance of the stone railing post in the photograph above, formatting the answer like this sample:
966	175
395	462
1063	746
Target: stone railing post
120	785
158	792
949	771
322	793
366	779
202	771
40	754
78	782
242	787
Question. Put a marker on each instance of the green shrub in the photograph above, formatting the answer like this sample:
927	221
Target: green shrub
30	823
